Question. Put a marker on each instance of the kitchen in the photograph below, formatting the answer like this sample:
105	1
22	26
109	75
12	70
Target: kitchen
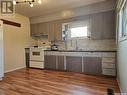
80	46
72	44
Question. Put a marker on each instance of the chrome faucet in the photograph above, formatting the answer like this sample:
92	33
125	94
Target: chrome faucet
76	43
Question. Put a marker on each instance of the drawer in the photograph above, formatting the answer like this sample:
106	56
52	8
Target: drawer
108	65
110	72
74	54
59	53
47	53
108	54
91	54
36	64
108	60
55	53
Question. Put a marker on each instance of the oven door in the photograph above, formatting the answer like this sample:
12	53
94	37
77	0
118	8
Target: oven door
36	55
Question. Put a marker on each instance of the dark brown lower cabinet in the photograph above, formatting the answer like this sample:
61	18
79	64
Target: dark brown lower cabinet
74	64
89	65
92	65
60	63
50	62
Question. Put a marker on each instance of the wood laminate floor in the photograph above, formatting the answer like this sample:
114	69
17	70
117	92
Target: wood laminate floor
44	82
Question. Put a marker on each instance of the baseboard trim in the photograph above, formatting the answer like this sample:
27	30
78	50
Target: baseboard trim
121	92
14	69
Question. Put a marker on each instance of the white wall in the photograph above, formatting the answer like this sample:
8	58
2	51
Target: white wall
1	50
122	65
15	40
122	60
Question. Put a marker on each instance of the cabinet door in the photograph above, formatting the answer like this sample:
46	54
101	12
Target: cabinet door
57	31
50	62
34	29
47	28
51	31
42	28
97	23
74	64
92	65
60	63
109	25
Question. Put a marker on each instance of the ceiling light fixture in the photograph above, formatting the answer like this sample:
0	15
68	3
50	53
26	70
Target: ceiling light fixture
14	2
39	1
30	2
31	5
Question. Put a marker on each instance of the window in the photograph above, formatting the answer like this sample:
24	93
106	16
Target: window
123	21
79	32
76	29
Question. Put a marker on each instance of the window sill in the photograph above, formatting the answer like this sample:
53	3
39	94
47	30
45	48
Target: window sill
123	39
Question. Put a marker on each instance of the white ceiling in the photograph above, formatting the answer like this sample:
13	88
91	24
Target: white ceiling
51	6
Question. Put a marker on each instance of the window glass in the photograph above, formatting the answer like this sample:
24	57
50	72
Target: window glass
76	29
79	32
123	25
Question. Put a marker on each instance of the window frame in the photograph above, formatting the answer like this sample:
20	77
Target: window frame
122	33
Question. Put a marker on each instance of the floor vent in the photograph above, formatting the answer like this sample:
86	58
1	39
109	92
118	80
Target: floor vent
110	92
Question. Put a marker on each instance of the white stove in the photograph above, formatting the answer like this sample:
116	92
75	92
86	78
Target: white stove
37	57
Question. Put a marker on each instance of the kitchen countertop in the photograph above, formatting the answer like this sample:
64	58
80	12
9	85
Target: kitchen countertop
80	50
83	50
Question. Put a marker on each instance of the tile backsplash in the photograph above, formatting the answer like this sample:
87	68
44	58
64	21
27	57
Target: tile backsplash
87	44
81	44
